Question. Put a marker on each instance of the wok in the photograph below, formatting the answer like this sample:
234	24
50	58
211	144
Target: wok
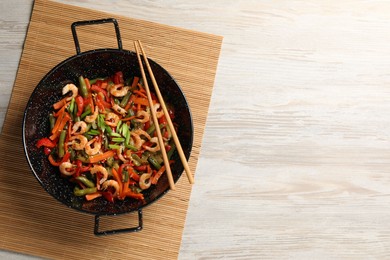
93	64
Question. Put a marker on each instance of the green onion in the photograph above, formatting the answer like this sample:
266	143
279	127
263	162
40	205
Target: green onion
93	132
114	146
136	160
115	134
118	139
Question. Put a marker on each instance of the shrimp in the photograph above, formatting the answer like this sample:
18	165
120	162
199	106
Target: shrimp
112	119
144	181
154	148
111	183
119	90
145	116
92	118
79	128
93	146
98	168
119	109
67	168
160	113
78	142
70	87
136	136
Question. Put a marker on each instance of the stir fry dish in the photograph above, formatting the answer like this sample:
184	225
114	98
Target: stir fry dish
102	138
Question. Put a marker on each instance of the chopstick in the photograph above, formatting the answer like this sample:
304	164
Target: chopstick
164	108
155	121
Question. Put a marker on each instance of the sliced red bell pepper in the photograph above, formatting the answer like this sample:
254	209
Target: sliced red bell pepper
118	78
46	142
80	105
108	196
46	150
98	89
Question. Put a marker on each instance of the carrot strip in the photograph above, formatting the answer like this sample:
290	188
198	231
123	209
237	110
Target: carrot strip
87	83
119	180
59	115
128	118
61	103
100	157
134	195
139	93
157	175
135	82
53	162
141	101
141	88
130	102
61	126
93	196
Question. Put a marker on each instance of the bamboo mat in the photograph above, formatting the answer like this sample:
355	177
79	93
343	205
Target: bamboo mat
31	221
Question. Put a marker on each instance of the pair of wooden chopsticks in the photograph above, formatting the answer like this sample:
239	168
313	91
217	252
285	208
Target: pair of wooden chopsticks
155	120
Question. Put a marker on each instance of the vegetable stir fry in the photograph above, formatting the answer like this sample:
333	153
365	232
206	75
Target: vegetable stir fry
103	139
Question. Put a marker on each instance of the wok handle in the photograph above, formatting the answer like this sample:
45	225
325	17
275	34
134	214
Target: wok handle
117	231
93	22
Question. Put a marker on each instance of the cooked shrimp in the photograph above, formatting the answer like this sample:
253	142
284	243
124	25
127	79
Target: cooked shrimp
144	116
119	109
112	119
79	128
99	168
93	146
153	148
159	113
78	142
136	136
119	90
111	183
144	181
92	118
67	168
119	153
70	87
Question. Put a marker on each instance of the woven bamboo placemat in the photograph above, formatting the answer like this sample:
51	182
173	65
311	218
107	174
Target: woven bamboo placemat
31	221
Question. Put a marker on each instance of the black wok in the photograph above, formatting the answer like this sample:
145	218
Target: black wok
93	64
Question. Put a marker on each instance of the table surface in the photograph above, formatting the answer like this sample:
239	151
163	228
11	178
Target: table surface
295	158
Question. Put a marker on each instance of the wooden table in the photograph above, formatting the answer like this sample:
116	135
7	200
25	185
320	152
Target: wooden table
295	160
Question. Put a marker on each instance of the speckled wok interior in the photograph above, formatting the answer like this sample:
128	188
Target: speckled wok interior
92	64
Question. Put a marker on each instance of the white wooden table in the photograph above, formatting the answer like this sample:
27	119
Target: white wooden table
295	161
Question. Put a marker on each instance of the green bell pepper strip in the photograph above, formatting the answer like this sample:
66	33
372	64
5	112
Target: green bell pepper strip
86	113
52	121
171	151
83	87
114	146
85	181
82	192
118	139
125	99
61	144
93	81
154	162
